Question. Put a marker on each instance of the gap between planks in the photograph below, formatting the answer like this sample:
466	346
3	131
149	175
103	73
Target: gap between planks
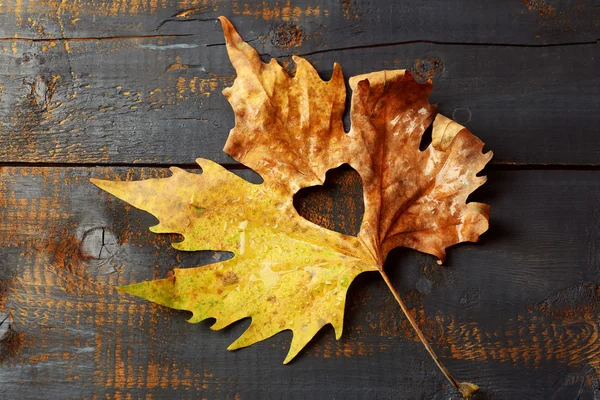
417	41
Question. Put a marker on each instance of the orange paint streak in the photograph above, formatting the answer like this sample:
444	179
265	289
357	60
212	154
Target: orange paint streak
283	12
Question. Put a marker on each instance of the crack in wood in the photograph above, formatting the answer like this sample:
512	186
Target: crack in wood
184	20
102	245
92	38
223	44
444	43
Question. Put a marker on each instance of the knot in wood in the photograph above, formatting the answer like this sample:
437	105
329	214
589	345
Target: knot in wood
99	243
286	36
426	68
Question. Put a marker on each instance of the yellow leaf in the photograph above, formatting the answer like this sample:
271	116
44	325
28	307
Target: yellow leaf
287	273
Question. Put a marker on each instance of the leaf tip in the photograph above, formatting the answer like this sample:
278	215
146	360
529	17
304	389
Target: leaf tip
293	352
112	187
135	289
233	346
231	35
202	162
195	318
338	329
488	156
225	23
337	71
124	289
99	182
441	255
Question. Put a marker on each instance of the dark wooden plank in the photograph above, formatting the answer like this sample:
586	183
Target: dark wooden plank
516	313
323	23
158	101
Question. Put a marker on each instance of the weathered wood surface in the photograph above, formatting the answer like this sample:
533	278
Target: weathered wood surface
517	313
126	82
349	22
153	97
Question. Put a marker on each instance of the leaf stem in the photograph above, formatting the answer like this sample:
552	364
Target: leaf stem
466	388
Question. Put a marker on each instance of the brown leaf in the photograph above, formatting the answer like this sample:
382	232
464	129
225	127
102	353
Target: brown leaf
413	198
286	127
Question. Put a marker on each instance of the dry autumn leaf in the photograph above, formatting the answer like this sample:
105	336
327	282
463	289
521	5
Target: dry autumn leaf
288	273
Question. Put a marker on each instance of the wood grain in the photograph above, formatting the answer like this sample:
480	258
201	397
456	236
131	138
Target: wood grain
156	101
529	22
91	88
522	302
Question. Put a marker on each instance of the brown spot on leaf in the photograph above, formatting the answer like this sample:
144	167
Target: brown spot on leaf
229	278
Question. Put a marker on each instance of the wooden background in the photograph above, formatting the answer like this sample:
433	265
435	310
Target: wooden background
125	88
